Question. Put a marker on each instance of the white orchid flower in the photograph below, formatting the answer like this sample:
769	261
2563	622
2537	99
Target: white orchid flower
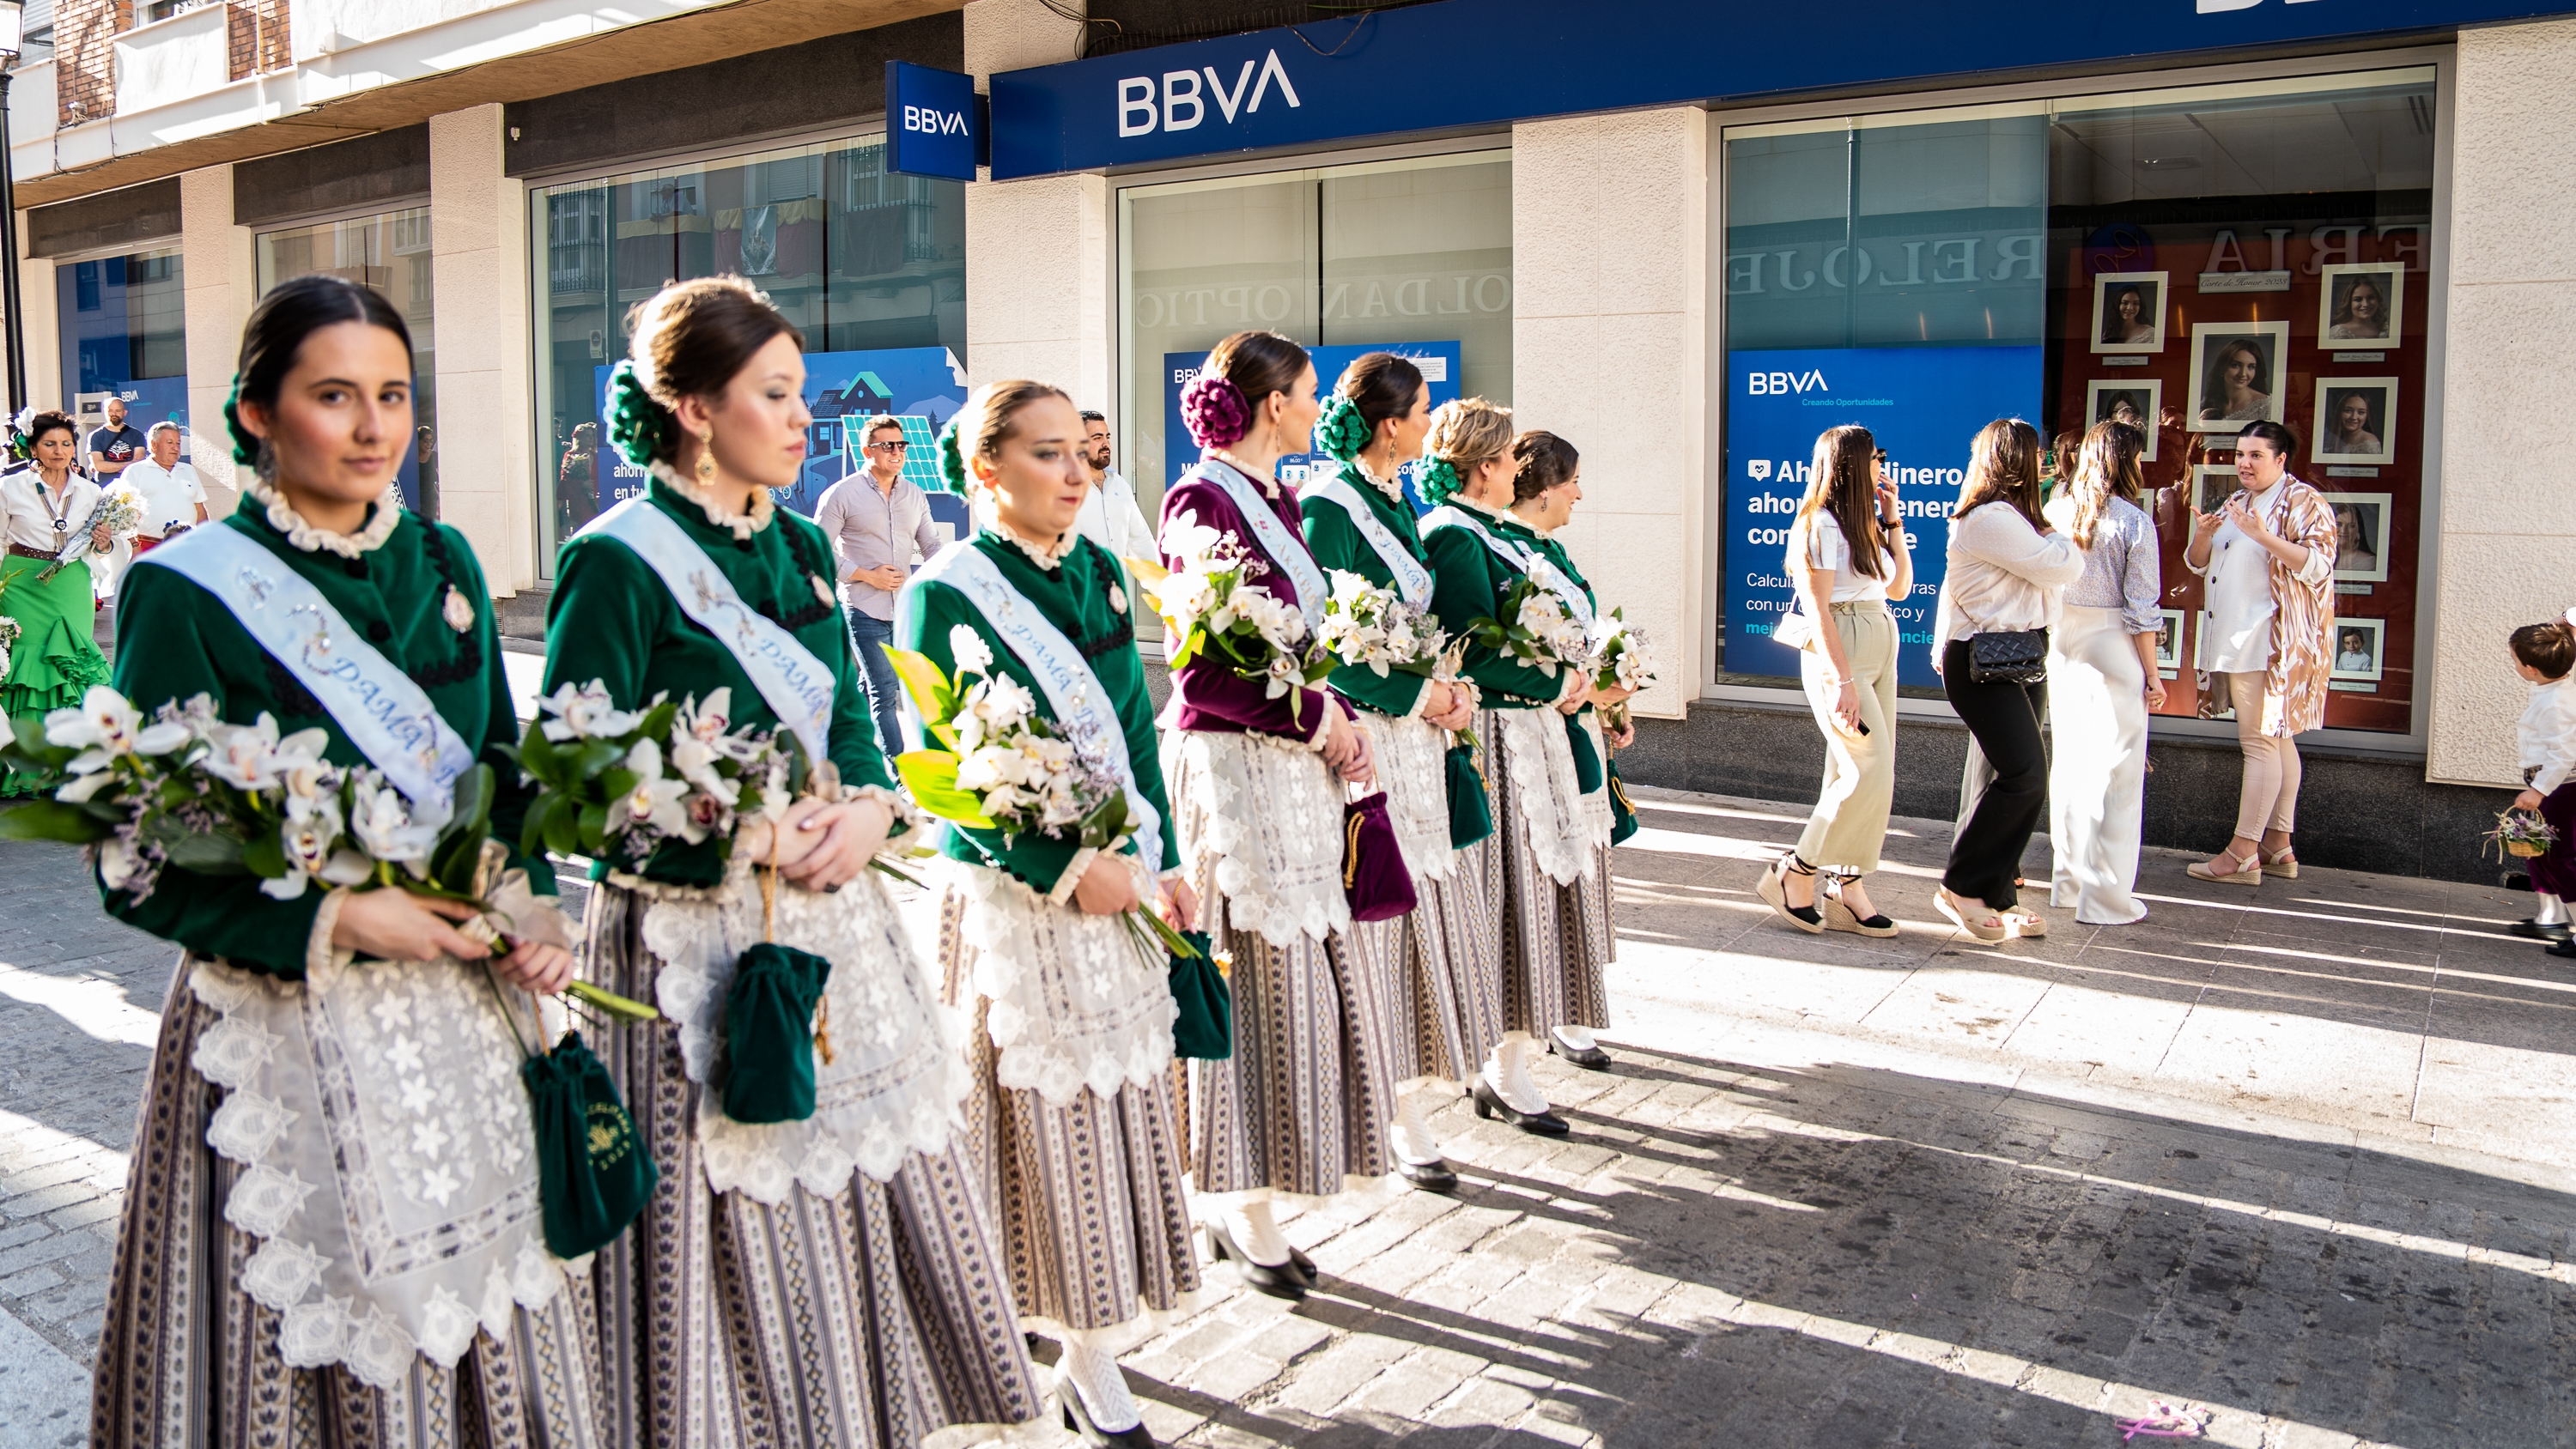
585	713
311	839
656	805
244	755
1187	539
386	826
102	726
973	655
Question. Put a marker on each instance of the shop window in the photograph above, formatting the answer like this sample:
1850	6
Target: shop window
2190	257
1412	255
387	253
870	267
124	334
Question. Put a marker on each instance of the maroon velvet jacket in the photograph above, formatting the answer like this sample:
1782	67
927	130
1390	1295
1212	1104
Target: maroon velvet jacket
1208	696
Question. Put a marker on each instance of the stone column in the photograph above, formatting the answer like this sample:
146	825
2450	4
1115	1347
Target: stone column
1610	351
486	413
1037	251
219	282
2508	515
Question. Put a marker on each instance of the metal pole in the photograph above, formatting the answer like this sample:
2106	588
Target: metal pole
17	337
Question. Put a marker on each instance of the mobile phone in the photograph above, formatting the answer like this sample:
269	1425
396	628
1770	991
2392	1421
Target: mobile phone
1860	727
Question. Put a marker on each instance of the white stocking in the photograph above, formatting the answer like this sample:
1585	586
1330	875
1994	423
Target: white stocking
2553	911
1246	1218
1095	1376
1507	1072
1410	1135
1576	1038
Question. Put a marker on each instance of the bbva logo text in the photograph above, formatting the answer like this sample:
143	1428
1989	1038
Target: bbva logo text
1182	103
1760	383
931	121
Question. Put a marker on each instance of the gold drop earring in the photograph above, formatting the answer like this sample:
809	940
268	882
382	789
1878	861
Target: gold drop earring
707	459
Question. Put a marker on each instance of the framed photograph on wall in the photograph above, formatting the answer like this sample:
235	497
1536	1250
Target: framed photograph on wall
2169	642
2358	646
2136	401
2362	306
2129	312
2211	483
2356	420
2237	374
2361	535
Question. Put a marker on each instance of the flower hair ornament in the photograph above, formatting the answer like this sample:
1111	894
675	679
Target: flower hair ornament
245	442
639	427
1215	412
1440	481
952	459
1341	431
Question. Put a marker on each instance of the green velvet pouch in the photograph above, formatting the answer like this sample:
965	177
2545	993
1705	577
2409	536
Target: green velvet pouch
593	1174
1205	1029
1623	816
769	1033
1587	760
1471	813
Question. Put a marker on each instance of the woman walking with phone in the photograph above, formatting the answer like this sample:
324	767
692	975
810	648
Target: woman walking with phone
1848	556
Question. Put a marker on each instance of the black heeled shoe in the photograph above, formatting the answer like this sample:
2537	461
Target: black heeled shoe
1490	1104
1428	1176
1591	1058
1289	1280
1773	888
1305	1267
2535	931
1068	1401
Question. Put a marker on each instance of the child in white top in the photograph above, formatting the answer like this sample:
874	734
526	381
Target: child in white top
2545	655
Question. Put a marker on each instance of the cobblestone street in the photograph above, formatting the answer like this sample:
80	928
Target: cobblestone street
2295	1157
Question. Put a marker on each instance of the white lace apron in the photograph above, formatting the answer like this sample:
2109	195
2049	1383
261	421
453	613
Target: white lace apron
899	1078
1552	803
1599	816
1272	821
1413	769
388	1158
1074	1003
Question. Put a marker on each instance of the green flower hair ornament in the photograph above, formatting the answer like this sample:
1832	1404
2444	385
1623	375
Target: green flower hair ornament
640	428
245	442
1341	431
952	458
1440	481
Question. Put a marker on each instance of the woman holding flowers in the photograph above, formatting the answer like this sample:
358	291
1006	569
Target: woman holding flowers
1073	1120
331	1228
51	654
822	1272
1527	656
1388	650
1258	758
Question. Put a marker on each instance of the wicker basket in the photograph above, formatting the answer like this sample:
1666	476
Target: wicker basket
2525	848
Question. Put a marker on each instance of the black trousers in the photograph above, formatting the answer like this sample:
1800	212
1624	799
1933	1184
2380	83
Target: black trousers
1986	855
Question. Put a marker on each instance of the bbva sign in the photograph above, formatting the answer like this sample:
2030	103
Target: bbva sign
1181	103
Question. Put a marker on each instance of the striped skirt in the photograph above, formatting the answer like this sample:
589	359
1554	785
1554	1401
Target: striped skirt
1557	939
187	1358
874	1317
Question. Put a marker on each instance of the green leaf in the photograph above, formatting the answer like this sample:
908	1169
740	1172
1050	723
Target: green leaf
264	855
475	790
1106	822
931	692
931	776
538	756
563	825
594	830
53	820
596	756
656	724
617	783
211	853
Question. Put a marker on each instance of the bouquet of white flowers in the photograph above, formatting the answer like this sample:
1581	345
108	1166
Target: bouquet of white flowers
1209	609
615	784
9	632
1374	628
1541	631
119	510
1620	660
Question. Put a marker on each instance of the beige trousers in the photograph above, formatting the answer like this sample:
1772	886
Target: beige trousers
2270	798
1850	820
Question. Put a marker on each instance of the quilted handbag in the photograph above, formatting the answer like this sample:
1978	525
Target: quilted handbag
2012	656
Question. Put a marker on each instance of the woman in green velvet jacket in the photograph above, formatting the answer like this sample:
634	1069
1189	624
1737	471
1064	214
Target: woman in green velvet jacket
328	1235
832	1278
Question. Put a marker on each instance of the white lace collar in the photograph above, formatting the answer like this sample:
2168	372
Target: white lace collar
1472	506
1268	485
283	517
1391	489
1523	520
1045	554
744	525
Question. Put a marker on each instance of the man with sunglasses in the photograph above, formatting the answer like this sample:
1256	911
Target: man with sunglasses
877	519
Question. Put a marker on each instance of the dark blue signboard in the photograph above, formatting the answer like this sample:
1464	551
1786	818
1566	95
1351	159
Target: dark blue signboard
1432	67
934	122
1438	360
1923	403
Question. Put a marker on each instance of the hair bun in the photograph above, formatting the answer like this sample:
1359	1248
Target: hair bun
1341	431
1440	481
952	455
640	428
245	442
1214	411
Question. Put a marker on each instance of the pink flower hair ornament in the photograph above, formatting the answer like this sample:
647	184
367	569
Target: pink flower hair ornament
1214	410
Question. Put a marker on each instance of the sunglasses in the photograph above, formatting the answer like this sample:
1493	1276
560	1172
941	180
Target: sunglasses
1880	455
889	447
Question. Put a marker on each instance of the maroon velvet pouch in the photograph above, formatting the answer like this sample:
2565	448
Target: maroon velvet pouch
1374	874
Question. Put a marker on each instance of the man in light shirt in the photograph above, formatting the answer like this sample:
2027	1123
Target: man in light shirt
1109	515
174	499
876	518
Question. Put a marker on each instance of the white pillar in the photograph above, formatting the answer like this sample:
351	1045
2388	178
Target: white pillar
219	283
479	265
1610	351
39	334
1037	252
2508	515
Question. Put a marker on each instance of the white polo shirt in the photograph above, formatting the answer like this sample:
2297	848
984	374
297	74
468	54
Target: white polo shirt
170	495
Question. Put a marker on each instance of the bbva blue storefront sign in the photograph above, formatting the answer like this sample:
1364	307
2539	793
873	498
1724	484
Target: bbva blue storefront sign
935	124
1435	67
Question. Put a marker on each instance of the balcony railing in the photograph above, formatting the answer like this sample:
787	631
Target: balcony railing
172	60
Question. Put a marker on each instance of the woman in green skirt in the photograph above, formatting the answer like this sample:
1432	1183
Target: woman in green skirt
54	655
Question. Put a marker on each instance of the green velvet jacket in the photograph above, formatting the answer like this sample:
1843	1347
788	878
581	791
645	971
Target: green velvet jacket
1338	544
1468	581
1077	597
613	620
175	641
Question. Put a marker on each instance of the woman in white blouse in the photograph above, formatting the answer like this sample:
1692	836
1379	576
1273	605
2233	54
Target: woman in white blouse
2007	566
1848	556
55	658
2102	681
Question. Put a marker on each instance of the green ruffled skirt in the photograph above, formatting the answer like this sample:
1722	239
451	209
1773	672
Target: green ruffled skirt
55	658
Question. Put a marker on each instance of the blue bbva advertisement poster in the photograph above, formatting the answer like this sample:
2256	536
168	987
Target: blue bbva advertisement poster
1438	361
1924	404
923	386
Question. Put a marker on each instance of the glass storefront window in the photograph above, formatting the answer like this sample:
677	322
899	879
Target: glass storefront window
124	334
2076	260
1415	255
388	254
871	267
